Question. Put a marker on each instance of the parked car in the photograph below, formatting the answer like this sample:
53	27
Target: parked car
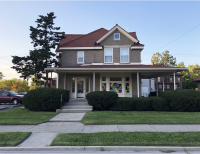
10	97
22	93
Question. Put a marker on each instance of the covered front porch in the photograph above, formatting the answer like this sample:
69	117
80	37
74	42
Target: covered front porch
125	80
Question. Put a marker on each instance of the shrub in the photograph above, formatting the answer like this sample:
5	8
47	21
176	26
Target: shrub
45	99
143	104
124	104
159	104
182	100
102	100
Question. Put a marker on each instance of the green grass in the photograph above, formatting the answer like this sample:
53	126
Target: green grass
128	139
13	138
22	116
140	117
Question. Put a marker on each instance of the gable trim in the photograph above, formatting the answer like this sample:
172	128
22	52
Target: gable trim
122	31
71	48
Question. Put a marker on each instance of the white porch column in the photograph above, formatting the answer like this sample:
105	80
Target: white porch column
138	88
149	86
57	80
163	84
174	82
75	88
93	81
157	86
65	81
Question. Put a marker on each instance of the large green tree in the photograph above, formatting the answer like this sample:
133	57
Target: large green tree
188	75
45	37
163	59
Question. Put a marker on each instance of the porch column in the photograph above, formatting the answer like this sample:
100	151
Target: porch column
163	84
174	82
149	86
93	81
57	80
65	81
157	86
138	88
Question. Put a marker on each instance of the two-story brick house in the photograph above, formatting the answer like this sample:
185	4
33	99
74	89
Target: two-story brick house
108	60
168	83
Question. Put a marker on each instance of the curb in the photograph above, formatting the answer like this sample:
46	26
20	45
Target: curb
99	148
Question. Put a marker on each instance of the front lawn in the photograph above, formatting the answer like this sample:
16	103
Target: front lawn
140	117
13	138
22	116
128	139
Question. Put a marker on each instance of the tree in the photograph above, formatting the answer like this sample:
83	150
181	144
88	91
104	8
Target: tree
44	38
20	86
188	75
163	59
1	76
36	84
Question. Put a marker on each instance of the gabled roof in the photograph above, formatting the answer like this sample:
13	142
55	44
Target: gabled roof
196	80
129	35
91	39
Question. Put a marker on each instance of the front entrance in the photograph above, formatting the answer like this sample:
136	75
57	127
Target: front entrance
80	87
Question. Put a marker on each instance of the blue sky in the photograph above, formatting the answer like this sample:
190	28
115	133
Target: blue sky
156	24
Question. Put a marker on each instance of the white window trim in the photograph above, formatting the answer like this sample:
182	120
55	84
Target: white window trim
115	38
77	57
120	55
108	55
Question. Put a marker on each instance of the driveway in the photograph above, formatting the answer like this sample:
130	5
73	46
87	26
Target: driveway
9	106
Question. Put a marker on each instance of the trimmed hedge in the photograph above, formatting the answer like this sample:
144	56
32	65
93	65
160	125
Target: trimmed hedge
159	104
45	99
182	100
102	100
141	104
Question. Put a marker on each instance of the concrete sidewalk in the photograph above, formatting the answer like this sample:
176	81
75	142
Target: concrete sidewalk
78	127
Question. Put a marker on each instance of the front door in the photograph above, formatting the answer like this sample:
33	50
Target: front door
80	88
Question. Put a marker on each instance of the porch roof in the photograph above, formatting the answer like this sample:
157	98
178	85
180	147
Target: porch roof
147	71
196	80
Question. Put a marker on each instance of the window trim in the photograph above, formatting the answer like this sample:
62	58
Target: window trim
78	57
115	38
108	55
120	55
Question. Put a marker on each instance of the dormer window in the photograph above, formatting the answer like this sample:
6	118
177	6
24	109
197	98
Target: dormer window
116	36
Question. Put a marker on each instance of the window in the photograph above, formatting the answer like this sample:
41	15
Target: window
80	57
87	85
171	79
116	36
179	79
108	55
176	87
124	55
5	93
103	84
73	85
115	79
168	86
165	86
166	79
160	86
158	79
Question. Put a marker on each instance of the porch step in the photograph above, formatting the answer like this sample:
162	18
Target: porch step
74	110
77	107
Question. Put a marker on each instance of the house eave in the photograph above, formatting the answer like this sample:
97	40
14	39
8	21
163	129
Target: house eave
137	47
79	48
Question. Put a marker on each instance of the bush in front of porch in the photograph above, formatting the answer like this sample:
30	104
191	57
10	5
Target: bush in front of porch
45	99
102	100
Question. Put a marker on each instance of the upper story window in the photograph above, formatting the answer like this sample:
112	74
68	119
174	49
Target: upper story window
171	79
124	55
108	55
116	36
80	57
179	79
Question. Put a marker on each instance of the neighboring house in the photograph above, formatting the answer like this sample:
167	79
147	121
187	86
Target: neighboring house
104	60
168	82
198	81
147	86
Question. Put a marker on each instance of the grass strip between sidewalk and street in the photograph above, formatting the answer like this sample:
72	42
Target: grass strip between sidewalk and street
140	117
22	116
13	138
128	139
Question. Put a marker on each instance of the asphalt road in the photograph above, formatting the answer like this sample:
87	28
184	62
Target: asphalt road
9	106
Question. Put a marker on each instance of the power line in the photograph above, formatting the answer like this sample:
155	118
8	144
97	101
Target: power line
177	38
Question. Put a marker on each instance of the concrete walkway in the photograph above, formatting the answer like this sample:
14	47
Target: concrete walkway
78	127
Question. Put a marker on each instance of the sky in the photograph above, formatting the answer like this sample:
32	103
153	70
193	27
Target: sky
160	26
